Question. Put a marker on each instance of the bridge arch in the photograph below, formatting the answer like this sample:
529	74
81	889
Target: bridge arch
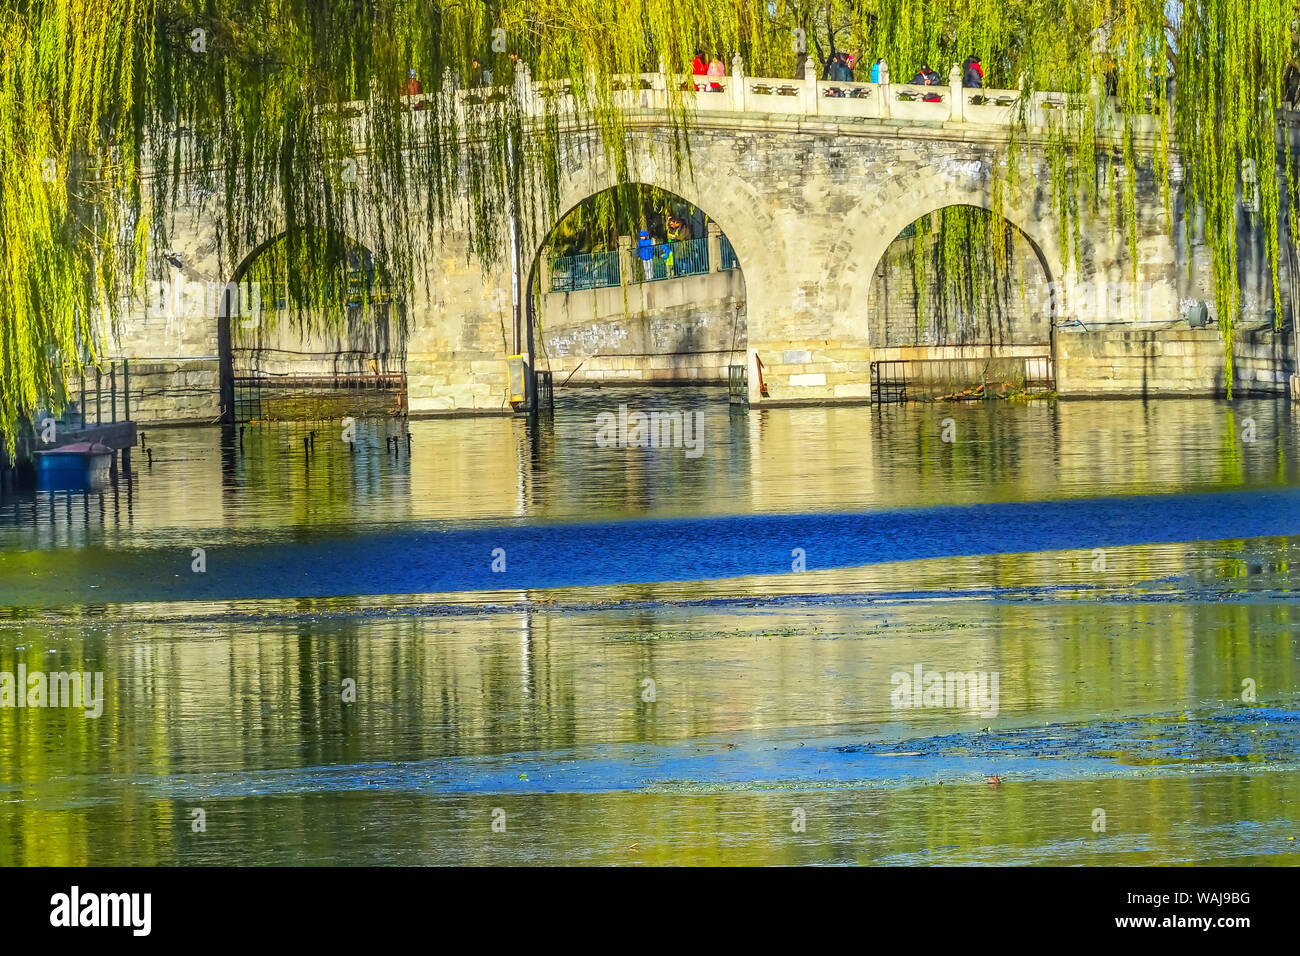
740	209
665	320
909	196
366	352
1015	342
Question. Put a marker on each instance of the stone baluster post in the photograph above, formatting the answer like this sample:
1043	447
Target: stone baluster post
810	104
525	89
884	91
454	100
738	83
626	262
957	104
715	246
544	268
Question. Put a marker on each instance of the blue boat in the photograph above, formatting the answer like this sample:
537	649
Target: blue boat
82	465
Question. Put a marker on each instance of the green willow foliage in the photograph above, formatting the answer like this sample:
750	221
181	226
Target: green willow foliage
960	259
96	93
595	224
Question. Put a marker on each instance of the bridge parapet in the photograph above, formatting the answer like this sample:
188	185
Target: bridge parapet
900	103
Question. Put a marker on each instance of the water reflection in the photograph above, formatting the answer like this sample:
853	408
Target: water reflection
664	721
506	709
773	460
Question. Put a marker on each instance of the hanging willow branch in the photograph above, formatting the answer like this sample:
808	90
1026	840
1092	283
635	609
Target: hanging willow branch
108	106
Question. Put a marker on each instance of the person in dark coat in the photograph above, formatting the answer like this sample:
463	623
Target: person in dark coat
926	77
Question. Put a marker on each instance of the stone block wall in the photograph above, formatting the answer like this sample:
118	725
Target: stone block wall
442	383
168	391
685	330
1170	361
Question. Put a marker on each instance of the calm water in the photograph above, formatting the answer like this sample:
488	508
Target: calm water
685	658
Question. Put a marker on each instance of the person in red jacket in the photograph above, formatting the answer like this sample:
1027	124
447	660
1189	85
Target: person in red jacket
700	68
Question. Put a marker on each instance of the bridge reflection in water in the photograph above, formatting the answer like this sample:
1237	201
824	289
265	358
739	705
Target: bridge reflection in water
772	690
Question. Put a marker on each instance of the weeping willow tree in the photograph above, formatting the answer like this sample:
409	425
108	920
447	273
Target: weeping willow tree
370	314
966	275
595	224
110	110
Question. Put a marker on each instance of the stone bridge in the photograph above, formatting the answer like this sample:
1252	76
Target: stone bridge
810	181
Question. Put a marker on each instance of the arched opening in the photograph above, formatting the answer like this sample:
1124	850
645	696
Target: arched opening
612	306
962	306
293	353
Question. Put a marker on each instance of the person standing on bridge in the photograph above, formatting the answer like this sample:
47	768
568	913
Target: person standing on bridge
699	68
875	70
972	74
670	261
645	248
840	71
716	69
927	77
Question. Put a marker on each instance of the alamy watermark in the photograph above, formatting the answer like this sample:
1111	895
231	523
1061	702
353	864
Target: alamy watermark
955	690
129	910
60	689
651	430
181	298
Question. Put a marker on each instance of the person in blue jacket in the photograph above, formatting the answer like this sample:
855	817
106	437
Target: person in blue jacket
645	248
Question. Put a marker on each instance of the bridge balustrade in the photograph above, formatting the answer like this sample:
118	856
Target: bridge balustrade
737	92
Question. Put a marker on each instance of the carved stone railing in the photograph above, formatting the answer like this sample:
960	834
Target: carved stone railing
901	103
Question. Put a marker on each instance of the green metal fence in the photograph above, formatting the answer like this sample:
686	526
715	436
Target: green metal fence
597	270
669	260
727	255
102	392
672	260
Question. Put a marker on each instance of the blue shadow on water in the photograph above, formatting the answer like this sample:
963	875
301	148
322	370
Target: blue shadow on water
306	562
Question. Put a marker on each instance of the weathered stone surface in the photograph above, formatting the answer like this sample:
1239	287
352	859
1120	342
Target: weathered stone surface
810	204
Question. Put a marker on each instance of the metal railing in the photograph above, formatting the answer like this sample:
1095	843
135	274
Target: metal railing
102	388
672	260
737	387
902	380
362	286
668	260
596	270
273	384
545	390
726	255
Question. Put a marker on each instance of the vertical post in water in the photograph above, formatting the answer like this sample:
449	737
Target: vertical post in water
99	394
226	355
112	391
126	390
